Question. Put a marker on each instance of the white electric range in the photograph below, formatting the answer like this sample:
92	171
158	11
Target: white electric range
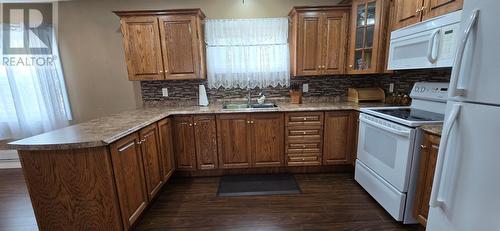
389	146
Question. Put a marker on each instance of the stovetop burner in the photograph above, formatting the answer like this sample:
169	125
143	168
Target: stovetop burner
411	114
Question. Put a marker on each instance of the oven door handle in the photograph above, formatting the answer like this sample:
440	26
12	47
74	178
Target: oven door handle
385	128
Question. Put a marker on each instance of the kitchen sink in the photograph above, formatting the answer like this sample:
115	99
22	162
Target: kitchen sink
264	105
244	106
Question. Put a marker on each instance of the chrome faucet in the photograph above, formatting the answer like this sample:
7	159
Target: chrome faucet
249	95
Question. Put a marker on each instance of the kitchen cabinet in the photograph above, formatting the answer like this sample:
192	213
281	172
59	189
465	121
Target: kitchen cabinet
434	8
318	43
184	143
141	42
250	140
163	45
151	156
304	138
205	134
128	169
195	142
166	148
268	140
427	165
408	12
369	34
233	140
339	137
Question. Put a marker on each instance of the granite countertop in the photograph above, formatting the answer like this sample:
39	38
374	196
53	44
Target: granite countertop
433	129
108	129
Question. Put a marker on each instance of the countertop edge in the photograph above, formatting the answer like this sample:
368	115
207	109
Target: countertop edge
20	146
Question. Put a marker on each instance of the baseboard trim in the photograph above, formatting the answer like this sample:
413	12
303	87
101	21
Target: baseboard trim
9	159
10	164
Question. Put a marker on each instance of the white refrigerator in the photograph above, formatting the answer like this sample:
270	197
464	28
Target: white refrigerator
466	189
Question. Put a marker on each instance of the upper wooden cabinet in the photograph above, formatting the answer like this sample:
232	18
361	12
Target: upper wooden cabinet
141	41
163	45
369	35
318	40
408	12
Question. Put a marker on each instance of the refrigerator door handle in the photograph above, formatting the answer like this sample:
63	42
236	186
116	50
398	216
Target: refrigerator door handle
455	73
448	125
433	47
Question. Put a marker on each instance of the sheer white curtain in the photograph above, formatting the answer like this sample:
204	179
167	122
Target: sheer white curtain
247	52
33	98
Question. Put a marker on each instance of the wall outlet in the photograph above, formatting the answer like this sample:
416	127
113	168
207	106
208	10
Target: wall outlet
305	87
391	87
164	92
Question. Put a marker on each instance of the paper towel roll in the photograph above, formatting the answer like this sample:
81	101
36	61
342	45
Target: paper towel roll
203	99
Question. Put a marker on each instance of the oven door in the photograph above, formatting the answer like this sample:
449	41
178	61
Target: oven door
387	149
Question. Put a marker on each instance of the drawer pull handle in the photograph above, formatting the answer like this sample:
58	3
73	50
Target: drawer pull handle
305	118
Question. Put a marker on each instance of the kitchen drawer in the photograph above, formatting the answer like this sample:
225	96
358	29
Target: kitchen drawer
304	160
313	147
304	134
304	118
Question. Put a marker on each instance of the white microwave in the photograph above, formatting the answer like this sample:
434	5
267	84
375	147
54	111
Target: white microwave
429	44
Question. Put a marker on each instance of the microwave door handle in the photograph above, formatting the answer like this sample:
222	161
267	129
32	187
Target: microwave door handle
431	47
448	125
457	63
389	129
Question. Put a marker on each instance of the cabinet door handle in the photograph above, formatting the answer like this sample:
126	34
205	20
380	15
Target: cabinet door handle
190	125
248	121
195	124
251	122
423	146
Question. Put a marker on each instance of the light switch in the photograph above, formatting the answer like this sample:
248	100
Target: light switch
391	87
305	87
164	92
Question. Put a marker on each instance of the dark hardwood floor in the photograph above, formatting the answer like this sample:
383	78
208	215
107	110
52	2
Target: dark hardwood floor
332	202
16	212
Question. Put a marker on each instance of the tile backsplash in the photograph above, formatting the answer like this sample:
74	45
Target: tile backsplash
329	86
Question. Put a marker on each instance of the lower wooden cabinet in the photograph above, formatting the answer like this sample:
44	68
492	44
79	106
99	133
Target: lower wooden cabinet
250	140
339	137
184	143
166	148
129	176
205	134
195	142
151	157
233	140
268	139
304	138
428	157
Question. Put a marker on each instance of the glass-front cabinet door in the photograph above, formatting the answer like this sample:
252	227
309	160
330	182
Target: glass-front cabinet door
368	40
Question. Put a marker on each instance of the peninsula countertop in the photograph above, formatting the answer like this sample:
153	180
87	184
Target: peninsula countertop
108	129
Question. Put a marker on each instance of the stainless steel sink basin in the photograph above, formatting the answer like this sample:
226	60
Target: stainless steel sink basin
235	106
244	106
264	105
